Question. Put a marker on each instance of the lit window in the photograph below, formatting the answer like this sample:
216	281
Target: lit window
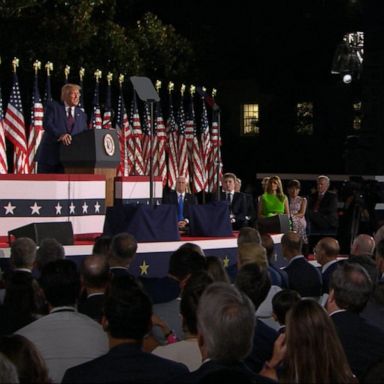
357	116
250	120
304	118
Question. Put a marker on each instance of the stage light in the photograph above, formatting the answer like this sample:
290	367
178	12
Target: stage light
348	57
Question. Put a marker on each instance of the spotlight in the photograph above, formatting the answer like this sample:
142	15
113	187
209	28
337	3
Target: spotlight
347	78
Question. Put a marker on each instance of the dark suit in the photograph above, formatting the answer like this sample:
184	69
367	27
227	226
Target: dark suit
363	343
326	215
55	125
326	276
125	363
212	366
92	306
304	277
238	208
170	197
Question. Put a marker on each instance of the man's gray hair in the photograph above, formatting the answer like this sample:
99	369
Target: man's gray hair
226	320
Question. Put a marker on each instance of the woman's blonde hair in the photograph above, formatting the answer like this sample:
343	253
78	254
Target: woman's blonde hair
279	192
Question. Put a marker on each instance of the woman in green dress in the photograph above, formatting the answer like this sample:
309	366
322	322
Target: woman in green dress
273	201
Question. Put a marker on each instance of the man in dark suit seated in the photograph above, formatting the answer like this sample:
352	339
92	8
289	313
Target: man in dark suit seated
322	207
127	319
303	277
61	122
349	292
236	200
183	200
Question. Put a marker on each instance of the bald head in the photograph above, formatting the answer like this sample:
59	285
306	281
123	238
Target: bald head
326	250
94	271
363	245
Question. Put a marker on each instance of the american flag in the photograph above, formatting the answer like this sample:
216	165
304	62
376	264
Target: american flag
196	162
161	145
96	122
123	129
107	117
137	135
172	146
215	156
205	143
36	127
146	140
183	160
14	128
3	149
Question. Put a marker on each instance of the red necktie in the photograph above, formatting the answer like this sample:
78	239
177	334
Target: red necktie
70	120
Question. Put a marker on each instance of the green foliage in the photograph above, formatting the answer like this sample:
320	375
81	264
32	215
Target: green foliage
86	33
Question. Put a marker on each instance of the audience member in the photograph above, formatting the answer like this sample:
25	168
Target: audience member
297	209
282	302
326	252
248	235
216	270
187	351
303	276
310	350
193	246
379	258
94	276
182	199
102	245
349	291
277	275
30	365
322	206
363	245
273	201
225	324
65	337
127	319
49	250
23	255
236	201
23	302
122	252
255	283
8	372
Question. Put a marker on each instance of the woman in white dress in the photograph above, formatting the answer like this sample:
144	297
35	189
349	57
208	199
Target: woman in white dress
297	208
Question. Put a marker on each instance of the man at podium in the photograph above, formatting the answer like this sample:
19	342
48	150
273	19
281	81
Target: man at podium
61	122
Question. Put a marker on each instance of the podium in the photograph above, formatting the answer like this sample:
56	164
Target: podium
96	152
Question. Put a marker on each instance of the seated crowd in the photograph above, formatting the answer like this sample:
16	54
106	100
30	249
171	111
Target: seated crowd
316	321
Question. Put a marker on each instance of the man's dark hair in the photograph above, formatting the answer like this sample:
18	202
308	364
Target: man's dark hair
248	235
185	261
352	286
192	291
49	250
127	308
94	270
60	281
268	244
282	302
123	246
102	245
254	282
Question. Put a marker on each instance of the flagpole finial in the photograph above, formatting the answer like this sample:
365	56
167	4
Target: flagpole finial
98	75
121	79
67	69
214	92
81	73
49	68
37	66
171	86
182	89
158	85
109	77
192	90
15	64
